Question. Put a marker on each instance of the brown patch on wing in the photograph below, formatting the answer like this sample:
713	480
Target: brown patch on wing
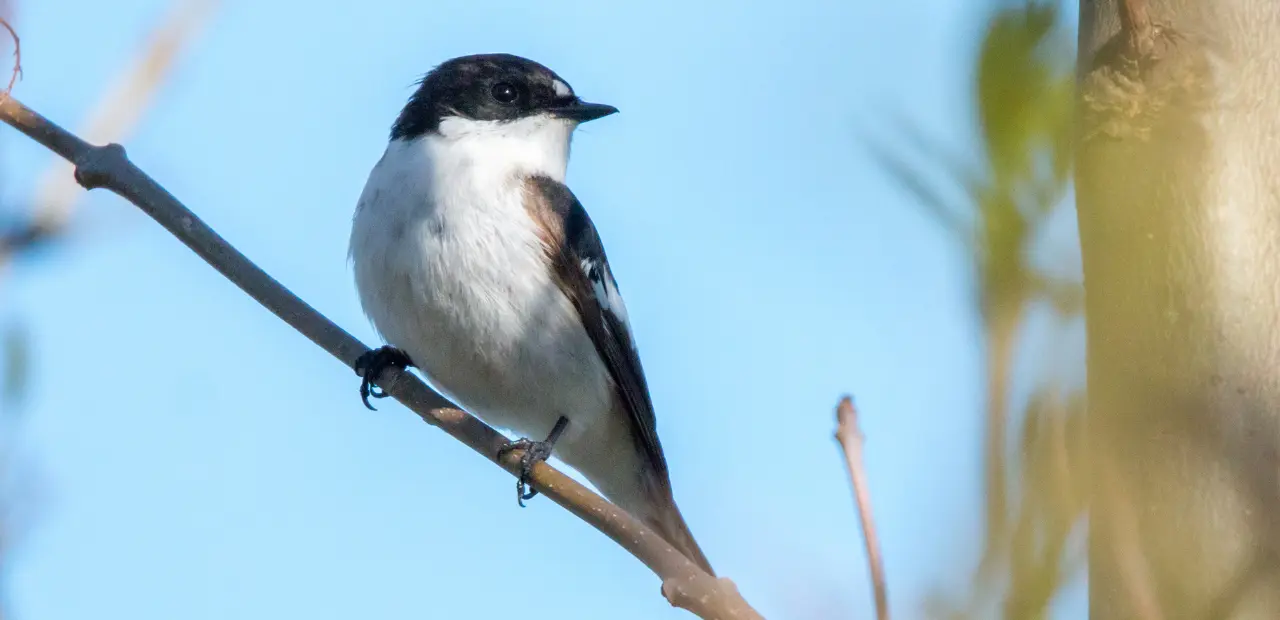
565	229
543	213
550	222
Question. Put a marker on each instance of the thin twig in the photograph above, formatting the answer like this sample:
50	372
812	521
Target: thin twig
684	584
851	439
17	57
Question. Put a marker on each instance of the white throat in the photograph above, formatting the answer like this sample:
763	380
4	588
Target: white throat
495	150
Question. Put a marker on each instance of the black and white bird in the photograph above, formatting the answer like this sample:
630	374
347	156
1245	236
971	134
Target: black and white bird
477	264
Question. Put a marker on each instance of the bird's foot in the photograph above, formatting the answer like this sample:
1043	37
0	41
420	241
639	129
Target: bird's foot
370	366
534	452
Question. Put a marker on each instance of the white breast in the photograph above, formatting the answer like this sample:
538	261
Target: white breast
450	269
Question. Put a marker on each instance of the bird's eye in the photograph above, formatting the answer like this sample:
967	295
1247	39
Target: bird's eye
505	92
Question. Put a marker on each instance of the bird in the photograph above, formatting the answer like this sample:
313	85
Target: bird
476	264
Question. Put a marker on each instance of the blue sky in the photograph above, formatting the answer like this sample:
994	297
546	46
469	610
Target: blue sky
199	459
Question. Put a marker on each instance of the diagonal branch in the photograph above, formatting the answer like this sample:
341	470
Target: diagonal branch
683	583
851	439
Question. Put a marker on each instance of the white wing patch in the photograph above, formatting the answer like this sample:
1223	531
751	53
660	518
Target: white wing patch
562	89
606	290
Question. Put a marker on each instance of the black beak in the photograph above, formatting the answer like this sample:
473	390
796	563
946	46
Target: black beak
582	111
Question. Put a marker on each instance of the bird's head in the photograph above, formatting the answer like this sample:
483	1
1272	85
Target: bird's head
493	91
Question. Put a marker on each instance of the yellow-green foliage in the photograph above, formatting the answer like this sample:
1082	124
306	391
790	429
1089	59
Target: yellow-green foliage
1024	85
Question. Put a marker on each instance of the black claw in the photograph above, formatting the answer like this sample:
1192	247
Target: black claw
369	367
534	452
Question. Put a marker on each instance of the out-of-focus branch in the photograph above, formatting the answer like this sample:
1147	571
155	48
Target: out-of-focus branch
684	584
112	120
851	440
1002	324
1122	525
6	520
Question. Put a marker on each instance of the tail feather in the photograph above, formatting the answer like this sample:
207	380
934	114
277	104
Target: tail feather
634	483
666	520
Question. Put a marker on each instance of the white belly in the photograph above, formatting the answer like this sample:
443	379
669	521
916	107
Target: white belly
462	286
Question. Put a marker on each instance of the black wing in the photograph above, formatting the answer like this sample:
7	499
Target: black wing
582	269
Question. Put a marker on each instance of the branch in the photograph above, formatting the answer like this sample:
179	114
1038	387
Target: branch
1136	23
683	583
1002	316
851	439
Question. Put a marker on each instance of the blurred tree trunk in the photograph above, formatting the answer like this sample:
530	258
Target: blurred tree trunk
1178	183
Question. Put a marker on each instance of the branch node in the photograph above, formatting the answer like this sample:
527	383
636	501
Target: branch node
95	166
1139	30
697	591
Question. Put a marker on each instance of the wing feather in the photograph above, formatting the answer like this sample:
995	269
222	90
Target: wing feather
582	271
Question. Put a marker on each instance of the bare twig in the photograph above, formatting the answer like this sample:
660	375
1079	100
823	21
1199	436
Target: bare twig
684	584
17	57
851	439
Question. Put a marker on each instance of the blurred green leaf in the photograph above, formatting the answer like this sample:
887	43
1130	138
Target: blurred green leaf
1012	78
1025	101
1065	296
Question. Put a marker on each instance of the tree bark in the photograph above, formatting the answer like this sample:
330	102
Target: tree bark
1178	188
